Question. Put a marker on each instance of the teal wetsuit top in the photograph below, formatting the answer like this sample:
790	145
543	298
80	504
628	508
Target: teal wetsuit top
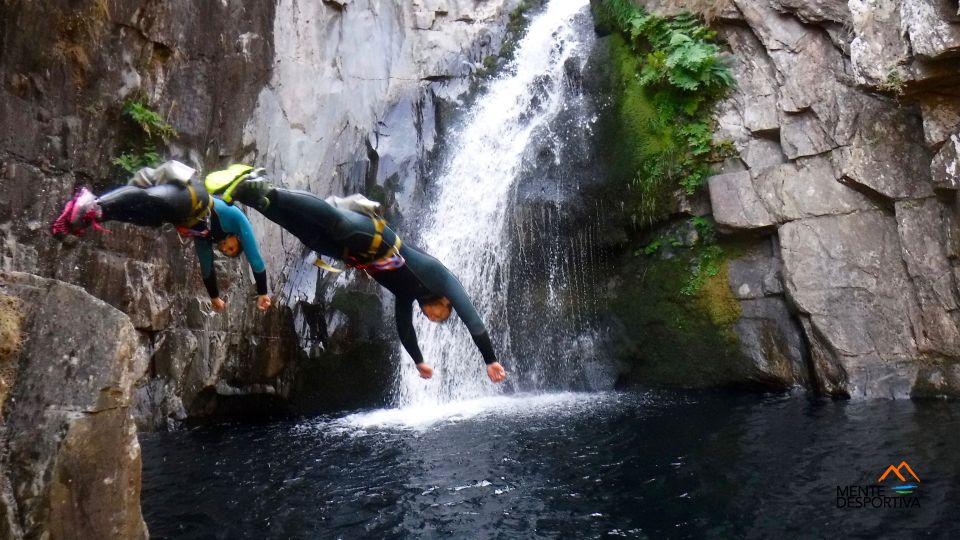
226	220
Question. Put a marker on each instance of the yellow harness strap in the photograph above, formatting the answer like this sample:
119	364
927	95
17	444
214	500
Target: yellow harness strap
320	264
199	209
378	224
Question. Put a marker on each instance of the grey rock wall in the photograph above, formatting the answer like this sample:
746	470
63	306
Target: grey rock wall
70	460
846	118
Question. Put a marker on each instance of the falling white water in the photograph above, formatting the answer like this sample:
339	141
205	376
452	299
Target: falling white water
467	229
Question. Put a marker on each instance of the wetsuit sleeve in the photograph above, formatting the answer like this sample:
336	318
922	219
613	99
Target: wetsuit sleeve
454	292
233	221
403	312
436	277
252	252
204	248
450	287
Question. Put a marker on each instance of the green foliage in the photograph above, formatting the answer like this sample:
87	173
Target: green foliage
132	161
707	265
148	128
706	228
650	248
149	120
668	75
706	255
895	82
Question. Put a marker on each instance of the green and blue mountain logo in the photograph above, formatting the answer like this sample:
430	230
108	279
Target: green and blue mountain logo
907	487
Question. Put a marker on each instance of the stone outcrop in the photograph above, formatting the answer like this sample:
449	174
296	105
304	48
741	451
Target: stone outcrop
845	115
70	460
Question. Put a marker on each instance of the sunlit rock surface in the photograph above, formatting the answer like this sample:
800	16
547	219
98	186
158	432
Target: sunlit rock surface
70	460
863	207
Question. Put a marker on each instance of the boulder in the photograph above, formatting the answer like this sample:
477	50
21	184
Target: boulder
846	276
921	224
945	167
71	453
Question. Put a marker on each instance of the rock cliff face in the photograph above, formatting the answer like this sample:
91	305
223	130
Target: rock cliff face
846	119
330	96
69	456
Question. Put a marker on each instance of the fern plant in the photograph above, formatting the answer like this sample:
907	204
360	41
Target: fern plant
149	129
149	120
669	73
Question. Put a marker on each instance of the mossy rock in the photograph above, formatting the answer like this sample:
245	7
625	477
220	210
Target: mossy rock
11	341
676	339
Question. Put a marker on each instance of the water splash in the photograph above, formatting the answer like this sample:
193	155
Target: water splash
467	229
421	417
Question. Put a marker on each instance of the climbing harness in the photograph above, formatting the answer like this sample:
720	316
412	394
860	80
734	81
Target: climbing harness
390	260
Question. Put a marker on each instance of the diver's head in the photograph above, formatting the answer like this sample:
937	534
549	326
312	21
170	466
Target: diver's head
230	246
437	309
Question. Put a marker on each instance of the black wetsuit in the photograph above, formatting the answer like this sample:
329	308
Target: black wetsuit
185	207
155	205
342	234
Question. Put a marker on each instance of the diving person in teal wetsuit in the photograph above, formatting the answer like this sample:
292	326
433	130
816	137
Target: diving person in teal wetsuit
364	241
231	232
171	194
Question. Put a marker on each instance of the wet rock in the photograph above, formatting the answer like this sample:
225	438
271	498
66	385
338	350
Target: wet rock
945	167
74	465
772	339
736	203
845	274
921	226
756	273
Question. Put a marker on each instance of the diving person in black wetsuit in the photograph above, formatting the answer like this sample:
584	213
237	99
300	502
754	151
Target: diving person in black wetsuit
364	241
171	193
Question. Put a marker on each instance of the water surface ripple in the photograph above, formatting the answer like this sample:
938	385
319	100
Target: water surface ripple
637	465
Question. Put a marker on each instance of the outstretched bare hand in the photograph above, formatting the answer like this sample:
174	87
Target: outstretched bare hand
496	372
218	304
263	302
425	370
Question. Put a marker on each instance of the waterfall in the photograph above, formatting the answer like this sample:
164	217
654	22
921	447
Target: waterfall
468	228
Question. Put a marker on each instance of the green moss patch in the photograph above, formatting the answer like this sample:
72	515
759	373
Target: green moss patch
668	73
676	335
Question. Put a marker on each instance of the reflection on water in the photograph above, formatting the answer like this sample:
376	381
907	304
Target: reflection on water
636	465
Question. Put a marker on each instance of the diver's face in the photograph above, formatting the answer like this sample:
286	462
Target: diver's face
229	246
438	310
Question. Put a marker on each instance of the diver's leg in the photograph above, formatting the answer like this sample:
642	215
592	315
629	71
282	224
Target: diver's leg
152	206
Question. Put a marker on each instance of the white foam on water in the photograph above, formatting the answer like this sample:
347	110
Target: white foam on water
424	416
